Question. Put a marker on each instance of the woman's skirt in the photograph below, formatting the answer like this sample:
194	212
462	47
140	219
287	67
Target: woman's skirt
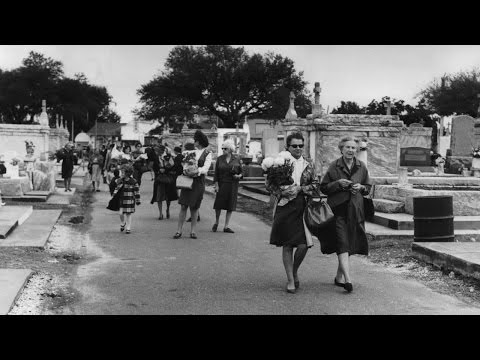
193	198
96	173
287	228
166	192
226	198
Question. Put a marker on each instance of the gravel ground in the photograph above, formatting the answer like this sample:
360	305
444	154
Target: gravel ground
397	257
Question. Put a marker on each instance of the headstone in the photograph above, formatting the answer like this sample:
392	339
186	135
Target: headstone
270	142
291	113
415	157
462	139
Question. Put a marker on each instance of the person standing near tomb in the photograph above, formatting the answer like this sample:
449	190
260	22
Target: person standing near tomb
228	171
193	198
345	184
288	229
130	196
68	159
95	162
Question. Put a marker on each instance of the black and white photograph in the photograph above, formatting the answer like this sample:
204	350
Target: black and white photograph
239	179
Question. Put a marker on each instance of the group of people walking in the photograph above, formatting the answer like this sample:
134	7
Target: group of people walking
345	183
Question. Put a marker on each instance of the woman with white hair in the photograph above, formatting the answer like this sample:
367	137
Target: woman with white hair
346	183
228	171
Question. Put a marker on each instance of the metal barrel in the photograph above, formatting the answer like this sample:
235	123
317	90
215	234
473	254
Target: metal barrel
433	219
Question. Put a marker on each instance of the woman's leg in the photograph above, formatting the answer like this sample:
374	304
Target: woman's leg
343	264
217	215
128	222
159	203
194	213
122	218
298	258
69	180
227	218
65	183
181	217
287	256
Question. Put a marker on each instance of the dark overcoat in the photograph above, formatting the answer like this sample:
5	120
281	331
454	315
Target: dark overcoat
347	232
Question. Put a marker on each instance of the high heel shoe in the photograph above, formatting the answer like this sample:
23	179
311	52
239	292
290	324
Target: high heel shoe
291	291
160	217
177	235
337	283
348	286
214	227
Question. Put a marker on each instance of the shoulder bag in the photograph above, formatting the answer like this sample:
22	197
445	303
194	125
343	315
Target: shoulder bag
184	182
368	208
317	214
114	203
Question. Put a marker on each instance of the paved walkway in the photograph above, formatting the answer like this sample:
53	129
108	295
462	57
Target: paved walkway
149	272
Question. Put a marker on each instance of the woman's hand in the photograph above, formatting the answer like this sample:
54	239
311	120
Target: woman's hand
237	176
356	188
344	183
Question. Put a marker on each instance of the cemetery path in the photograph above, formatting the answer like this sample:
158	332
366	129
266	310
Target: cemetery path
149	272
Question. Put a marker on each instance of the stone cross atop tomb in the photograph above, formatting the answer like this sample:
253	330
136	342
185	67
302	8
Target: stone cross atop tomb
388	106
291	113
43	119
317	107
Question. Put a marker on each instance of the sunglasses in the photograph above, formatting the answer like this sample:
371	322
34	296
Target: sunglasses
297	146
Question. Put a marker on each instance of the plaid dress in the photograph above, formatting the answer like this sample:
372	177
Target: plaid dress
130	194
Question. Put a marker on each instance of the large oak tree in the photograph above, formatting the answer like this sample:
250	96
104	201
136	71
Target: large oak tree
224	81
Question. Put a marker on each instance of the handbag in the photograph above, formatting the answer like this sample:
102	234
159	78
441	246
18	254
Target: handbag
163	179
114	203
184	182
317	214
368	208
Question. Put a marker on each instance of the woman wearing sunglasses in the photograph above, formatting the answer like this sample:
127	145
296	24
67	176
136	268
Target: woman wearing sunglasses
228	171
288	229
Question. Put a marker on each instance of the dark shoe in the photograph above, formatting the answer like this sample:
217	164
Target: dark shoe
177	235
189	219
291	291
198	218
122	227
98	190
160	217
228	230
127	231
69	189
297	284
348	287
214	227
66	190
338	283
193	235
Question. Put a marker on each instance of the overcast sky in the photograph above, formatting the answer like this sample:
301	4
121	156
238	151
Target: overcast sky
357	73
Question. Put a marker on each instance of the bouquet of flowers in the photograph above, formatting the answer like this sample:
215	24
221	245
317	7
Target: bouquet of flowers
189	163
279	172
476	152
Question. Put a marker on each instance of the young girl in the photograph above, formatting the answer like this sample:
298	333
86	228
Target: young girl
130	196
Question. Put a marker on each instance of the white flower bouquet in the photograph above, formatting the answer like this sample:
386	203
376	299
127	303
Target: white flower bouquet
190	165
279	172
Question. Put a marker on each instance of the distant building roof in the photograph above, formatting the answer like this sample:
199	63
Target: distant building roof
109	129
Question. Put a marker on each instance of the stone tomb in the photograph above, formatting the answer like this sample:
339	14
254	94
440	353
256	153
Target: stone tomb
462	141
415	145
